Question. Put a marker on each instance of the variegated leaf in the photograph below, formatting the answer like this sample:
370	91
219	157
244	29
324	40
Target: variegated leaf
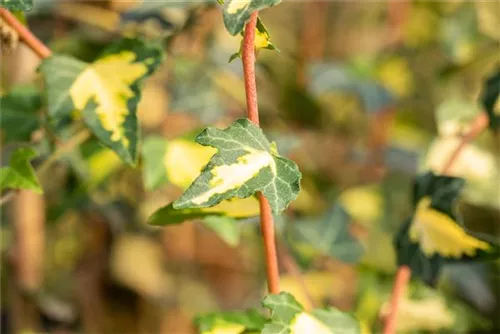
245	163
237	12
289	317
17	5
106	92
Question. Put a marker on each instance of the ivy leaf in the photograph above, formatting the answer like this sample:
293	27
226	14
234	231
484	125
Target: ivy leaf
435	233
235	208
17	5
226	228
153	153
19	117
105	92
245	163
490	99
289	317
236	13
20	174
330	236
230	322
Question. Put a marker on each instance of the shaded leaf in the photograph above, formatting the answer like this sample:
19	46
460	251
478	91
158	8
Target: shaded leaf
244	164
20	174
105	92
236	13
490	99
17	5
329	236
19	118
226	228
153	153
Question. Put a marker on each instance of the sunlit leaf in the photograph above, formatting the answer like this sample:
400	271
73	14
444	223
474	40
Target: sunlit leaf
488	17
490	99
105	92
19	118
230	322
20	174
245	163
289	317
435	233
262	40
329	236
17	5
430	314
236	13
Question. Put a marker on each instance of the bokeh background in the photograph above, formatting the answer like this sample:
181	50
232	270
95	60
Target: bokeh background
363	95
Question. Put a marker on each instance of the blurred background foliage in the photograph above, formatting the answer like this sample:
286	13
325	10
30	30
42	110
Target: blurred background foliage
362	95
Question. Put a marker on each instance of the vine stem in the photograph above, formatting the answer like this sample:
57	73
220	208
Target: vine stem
266	217
25	34
403	275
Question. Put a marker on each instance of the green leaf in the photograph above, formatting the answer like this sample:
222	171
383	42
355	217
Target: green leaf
20	174
244	164
17	5
153	153
262	40
435	233
226	228
490	99
329	235
236	13
105	93
234	208
19	118
223	322
289	317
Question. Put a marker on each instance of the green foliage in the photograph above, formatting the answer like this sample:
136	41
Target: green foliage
328	236
490	97
236	13
19	113
105	93
153	152
244	164
20	174
250	321
435	233
289	317
17	5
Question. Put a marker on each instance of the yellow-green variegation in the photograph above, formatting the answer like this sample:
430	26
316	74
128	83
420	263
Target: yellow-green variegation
289	317
105	92
237	12
245	163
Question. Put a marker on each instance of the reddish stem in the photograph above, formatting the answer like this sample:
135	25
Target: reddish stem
25	34
402	278
266	217
478	125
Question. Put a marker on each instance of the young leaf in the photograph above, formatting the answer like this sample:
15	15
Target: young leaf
236	13
262	40
105	92
17	5
19	117
289	317
490	99
330	236
245	163
435	233
20	174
